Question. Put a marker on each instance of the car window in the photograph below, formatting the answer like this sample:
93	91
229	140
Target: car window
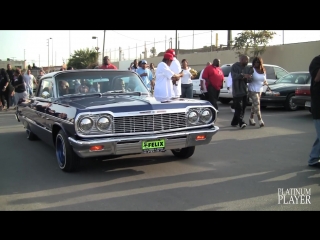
226	69
280	72
295	78
270	72
46	86
98	82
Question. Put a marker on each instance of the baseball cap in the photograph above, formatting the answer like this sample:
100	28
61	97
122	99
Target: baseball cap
144	61
171	51
168	56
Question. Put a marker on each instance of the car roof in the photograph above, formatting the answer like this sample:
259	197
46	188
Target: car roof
270	65
53	74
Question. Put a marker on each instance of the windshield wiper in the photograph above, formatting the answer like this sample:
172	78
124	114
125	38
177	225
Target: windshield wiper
82	95
111	93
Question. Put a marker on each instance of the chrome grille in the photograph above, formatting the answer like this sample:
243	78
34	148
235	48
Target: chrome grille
149	123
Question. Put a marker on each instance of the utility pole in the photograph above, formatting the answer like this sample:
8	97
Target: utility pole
282	37
24	54
39	60
48	54
229	38
69	43
165	43
176	41
193	40
211	42
104	39
136	50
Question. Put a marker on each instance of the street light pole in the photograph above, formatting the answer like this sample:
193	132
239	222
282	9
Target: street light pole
104	39
97	47
48	53
52	52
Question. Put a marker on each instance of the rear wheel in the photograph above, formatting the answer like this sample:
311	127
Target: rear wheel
30	135
183	152
289	105
68	160
225	100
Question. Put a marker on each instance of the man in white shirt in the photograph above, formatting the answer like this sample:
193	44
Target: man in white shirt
202	84
176	68
29	80
163	90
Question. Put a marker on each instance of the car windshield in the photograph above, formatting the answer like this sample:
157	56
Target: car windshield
89	82
294	78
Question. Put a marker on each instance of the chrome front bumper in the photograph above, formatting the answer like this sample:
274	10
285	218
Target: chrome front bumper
133	145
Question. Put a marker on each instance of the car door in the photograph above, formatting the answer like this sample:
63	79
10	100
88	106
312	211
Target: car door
271	75
43	101
280	72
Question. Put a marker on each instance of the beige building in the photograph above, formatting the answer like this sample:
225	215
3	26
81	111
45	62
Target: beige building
14	64
292	57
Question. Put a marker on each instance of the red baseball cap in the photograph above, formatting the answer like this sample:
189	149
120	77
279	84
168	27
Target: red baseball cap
171	51
168	56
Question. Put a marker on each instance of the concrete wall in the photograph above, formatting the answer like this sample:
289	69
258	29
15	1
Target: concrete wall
14	64
292	57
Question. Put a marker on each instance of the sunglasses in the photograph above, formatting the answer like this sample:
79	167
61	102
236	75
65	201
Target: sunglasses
258	62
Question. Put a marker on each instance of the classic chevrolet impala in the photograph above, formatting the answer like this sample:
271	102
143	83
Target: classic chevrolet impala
105	114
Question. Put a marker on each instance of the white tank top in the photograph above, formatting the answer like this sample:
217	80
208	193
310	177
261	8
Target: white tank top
257	83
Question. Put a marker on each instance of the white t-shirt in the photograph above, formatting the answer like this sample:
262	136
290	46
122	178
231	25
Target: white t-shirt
257	82
28	79
163	89
186	79
204	82
176	68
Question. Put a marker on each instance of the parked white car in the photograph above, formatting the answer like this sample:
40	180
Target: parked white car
274	72
196	87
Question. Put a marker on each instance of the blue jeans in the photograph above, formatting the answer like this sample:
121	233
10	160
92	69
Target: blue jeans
315	151
187	90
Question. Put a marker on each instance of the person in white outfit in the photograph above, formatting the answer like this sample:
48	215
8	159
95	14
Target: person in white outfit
176	68
203	87
29	80
255	88
163	89
229	88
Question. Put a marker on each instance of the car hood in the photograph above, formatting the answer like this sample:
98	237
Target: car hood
278	86
128	103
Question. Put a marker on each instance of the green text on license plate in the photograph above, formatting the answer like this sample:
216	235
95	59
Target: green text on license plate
153	144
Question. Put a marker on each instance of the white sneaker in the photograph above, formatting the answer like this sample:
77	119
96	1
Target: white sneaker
261	123
252	122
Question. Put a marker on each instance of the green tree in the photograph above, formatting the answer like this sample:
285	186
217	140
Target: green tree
83	58
153	51
252	41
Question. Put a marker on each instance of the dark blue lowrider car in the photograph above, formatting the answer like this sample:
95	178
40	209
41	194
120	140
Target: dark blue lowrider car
104	114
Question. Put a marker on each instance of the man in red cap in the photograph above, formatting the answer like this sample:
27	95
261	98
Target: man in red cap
163	90
176	68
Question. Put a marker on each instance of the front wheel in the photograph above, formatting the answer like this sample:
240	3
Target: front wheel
289	105
183	152
68	160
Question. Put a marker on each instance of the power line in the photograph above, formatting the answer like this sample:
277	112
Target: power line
130	37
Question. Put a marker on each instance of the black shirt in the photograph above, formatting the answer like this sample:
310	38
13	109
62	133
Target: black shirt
315	88
10	74
22	87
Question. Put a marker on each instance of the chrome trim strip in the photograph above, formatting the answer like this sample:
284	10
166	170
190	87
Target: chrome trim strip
132	144
34	123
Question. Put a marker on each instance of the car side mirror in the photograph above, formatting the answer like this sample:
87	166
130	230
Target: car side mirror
45	94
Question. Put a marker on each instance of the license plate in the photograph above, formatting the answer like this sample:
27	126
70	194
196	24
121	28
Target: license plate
152	146
307	104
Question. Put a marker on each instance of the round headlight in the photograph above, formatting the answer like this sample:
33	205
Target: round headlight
85	124
193	117
205	116
103	123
